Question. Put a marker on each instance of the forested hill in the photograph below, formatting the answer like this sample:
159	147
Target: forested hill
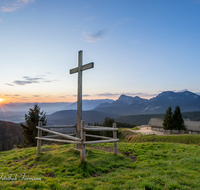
10	134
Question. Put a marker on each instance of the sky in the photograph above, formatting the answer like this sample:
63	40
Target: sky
139	48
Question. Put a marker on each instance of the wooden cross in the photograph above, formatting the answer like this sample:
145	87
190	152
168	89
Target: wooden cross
79	70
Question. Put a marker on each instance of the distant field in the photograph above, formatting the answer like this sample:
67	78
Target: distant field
155	166
129	136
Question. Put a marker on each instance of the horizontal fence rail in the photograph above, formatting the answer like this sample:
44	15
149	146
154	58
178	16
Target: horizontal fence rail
91	126
58	140
60	134
100	141
97	136
59	126
49	136
101	129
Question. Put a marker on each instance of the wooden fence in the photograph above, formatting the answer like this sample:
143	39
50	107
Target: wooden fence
75	140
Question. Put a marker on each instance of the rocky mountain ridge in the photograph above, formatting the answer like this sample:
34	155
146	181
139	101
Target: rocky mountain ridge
127	105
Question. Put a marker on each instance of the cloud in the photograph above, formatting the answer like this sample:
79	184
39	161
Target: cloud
14	5
51	80
0	20
183	90
36	96
61	96
108	94
9	84
26	1
94	36
84	95
31	80
28	80
12	95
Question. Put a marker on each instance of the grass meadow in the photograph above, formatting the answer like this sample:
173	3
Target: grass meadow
144	165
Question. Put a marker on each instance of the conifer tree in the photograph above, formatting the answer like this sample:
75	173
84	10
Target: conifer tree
108	122
178	122
29	131
168	120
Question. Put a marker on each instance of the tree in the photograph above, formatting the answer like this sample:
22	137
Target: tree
178	122
29	131
168	120
108	122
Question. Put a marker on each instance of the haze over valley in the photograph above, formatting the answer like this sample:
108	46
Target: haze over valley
97	110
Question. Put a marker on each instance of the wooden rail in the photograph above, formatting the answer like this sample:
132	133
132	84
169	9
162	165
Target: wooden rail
60	134
81	142
100	141
101	129
97	136
59	140
59	126
49	136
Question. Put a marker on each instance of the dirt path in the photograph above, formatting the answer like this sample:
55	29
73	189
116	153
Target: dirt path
147	131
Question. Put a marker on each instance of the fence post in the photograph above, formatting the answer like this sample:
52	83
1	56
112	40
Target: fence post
38	140
82	152
114	137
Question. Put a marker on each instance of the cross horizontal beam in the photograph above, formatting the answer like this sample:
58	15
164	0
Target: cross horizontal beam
84	67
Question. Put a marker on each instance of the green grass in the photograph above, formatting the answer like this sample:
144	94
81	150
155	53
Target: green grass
158	166
136	128
129	136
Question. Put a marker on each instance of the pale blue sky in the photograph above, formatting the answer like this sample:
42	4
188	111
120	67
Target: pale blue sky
139	47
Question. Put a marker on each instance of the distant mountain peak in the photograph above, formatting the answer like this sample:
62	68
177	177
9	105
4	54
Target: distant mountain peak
172	94
126	105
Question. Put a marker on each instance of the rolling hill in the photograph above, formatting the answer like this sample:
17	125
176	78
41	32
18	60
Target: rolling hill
69	117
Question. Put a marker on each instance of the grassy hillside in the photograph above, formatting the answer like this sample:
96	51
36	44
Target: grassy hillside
132	137
147	166
10	134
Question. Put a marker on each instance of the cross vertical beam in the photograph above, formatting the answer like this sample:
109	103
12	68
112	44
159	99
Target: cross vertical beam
79	100
79	70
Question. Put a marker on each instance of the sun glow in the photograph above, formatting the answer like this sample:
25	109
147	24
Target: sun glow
1	100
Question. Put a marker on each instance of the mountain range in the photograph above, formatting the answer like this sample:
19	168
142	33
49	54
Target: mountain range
126	105
99	109
88	104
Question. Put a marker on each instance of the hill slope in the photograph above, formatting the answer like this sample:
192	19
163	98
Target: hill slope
10	134
157	166
69	117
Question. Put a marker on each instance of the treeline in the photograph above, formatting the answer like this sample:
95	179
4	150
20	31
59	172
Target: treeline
10	134
109	121
144	119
